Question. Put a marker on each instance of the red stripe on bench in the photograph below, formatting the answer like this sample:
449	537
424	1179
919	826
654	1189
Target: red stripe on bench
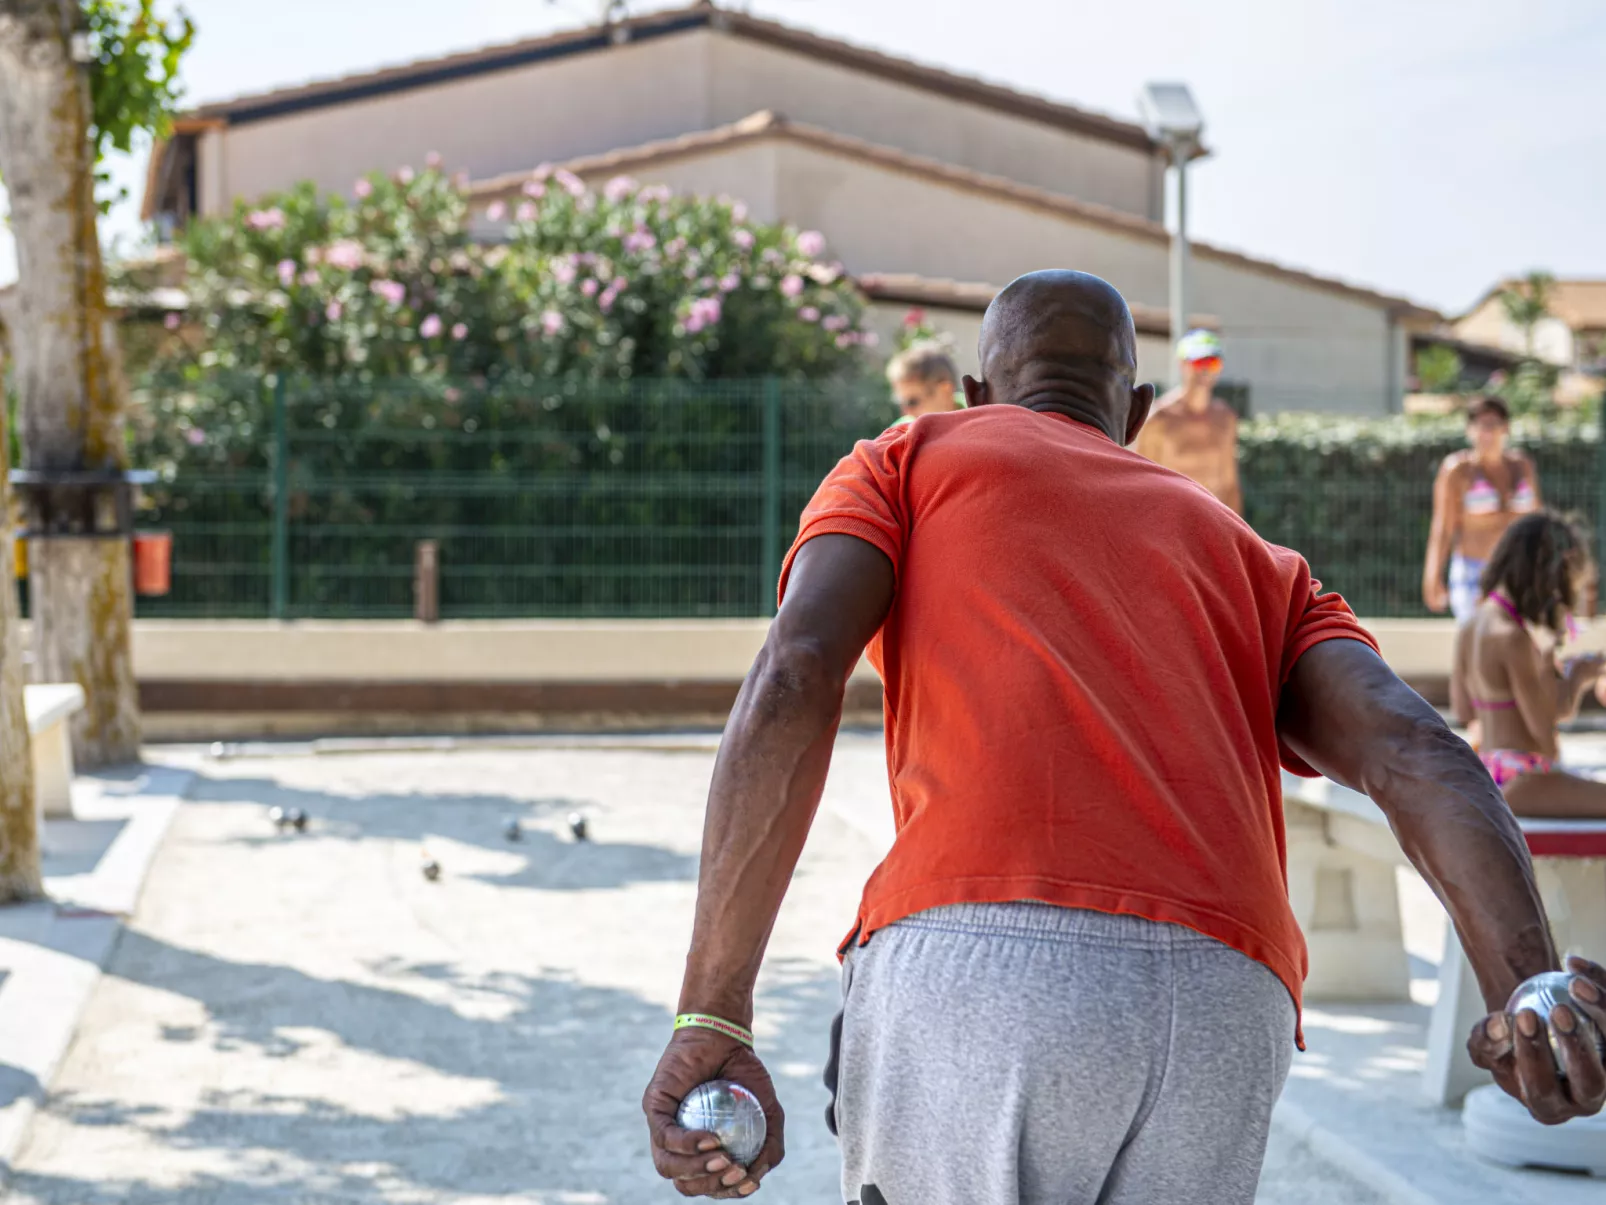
1585	843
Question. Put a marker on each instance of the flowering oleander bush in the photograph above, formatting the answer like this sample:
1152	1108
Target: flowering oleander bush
588	285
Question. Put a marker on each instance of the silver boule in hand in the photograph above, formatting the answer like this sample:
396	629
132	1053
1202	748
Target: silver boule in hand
731	1113
1541	994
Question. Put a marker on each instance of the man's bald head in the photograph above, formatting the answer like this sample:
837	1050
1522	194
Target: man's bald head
1063	342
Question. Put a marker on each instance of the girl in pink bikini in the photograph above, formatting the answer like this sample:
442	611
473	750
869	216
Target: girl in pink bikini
1476	496
1503	678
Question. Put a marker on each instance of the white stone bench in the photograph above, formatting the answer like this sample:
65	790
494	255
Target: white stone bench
49	708
1341	880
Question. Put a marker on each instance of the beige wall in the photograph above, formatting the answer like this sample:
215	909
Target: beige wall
715	650
490	124
746	77
1301	347
1553	339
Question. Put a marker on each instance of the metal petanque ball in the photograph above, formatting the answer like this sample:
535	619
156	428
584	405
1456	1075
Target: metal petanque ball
577	826
431	869
731	1113
1541	994
279	817
298	820
512	829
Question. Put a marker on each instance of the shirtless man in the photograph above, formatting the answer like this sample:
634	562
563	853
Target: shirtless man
1192	431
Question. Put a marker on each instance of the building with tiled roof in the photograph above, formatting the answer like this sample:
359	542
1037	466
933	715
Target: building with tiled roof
919	178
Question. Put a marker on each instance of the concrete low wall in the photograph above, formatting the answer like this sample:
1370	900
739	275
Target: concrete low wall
222	679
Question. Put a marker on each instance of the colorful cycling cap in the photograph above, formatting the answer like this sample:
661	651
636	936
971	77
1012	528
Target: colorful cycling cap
1199	345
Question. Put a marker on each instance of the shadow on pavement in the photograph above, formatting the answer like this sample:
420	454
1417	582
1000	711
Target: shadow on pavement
564	1064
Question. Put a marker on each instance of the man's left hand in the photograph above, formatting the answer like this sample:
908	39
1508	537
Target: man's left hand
692	1159
1517	1051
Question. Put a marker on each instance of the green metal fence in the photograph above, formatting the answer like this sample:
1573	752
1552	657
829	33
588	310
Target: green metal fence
655	499
652	499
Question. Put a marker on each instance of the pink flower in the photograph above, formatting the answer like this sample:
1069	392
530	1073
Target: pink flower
534	188
526	211
310	277
433	161
846	341
265	219
619	188
809	314
739	212
196	437
495	211
541	172
572	183
172	322
333	310
705	311
836	322
588	286
430	326
344	253
287	272
552	322
460	331
605	302
460	181
870	339
915	317
694	324
772	256
743	239
620	284
405	175
392	291
563	271
640	240
791	285
453	395
364	188
674	247
729	283
658	192
811	243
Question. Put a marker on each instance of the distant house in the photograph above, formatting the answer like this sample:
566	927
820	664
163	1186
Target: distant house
1572	336
932	188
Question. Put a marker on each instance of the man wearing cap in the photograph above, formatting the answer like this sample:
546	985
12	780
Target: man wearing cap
1192	430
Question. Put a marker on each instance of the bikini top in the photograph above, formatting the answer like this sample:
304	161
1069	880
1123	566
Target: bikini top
1510	608
1483	498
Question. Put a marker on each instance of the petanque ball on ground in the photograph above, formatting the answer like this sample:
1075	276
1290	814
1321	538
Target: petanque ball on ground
279	817
578	827
298	820
731	1113
512	829
1541	994
432	869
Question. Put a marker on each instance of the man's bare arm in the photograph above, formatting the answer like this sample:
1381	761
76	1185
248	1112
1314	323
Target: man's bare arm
773	762
1347	714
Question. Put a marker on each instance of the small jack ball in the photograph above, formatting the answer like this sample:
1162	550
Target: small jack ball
279	817
577	826
432	869
512	829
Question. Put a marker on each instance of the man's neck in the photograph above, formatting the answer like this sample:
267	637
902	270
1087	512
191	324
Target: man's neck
1197	398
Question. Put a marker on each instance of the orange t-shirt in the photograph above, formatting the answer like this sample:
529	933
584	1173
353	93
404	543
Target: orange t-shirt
1082	666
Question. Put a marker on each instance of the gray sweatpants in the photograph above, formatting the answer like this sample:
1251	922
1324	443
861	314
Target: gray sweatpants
1022	1054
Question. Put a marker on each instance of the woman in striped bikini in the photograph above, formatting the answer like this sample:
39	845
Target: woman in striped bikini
1476	496
1506	674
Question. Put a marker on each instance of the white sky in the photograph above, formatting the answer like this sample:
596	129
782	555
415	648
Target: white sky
1425	147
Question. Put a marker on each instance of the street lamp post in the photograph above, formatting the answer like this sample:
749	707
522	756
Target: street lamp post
1173	120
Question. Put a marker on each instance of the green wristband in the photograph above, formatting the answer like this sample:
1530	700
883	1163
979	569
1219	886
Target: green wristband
718	1024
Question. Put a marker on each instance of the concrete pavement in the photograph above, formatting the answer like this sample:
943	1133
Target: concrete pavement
308	1019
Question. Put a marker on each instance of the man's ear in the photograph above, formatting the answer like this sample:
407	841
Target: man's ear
1138	410
977	393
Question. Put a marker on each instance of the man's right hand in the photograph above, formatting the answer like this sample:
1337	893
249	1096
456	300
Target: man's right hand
1517	1051
1437	597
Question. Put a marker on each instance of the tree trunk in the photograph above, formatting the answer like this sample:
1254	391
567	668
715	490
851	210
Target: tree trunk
19	820
66	367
